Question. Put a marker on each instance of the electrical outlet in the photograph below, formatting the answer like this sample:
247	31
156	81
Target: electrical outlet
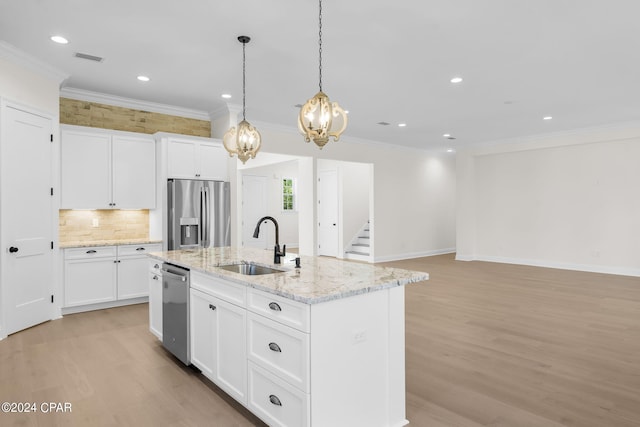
95	222
359	336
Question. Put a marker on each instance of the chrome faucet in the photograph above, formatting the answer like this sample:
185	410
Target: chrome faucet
276	250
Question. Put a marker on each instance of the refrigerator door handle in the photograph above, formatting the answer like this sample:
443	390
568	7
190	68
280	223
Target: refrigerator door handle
205	219
201	219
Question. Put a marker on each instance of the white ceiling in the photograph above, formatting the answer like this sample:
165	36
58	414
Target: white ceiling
521	60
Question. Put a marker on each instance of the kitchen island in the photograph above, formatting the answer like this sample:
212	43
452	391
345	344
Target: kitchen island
319	345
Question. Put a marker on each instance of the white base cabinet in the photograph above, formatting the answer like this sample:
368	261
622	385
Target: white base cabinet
155	299
105	274
335	363
218	342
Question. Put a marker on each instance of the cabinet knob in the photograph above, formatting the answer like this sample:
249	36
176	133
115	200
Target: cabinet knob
212	307
275	347
274	306
13	250
274	399
155	277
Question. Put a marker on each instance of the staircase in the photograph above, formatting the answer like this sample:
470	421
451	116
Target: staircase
360	246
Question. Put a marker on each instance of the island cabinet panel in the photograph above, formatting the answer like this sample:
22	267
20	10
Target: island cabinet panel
218	342
357	366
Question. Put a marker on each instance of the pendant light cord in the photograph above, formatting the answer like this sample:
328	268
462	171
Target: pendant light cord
320	43
244	66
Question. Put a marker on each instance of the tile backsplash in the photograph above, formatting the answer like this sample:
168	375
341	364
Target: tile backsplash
89	225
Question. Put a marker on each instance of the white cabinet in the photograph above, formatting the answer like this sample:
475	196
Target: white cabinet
218	342
340	362
190	158
106	274
155	298
89	275
106	169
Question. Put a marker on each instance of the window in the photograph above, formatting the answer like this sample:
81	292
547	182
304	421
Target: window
288	195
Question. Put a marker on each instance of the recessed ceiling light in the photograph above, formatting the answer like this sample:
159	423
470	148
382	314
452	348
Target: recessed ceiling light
547	118
450	150
226	95
346	111
143	78
456	80
446	135
402	125
59	39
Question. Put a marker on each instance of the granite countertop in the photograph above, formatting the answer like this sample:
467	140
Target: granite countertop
319	279
91	243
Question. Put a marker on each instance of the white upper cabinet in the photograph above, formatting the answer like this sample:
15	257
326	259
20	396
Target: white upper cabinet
134	172
85	170
107	169
195	159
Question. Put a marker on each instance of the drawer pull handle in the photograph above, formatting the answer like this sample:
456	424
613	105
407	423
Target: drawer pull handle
140	249
91	251
274	399
274	306
212	307
275	347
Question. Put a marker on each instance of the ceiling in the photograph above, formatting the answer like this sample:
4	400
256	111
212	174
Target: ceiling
391	61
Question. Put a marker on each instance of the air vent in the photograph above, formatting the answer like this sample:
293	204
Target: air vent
384	123
451	137
298	105
88	57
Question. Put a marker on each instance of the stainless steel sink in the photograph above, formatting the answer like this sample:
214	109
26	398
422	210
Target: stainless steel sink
250	269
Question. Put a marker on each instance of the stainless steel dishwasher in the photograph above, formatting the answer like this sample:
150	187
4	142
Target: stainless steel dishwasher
175	311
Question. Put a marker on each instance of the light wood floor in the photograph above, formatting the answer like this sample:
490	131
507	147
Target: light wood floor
487	345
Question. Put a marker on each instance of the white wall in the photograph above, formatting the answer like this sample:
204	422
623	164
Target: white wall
413	198
287	221
567	201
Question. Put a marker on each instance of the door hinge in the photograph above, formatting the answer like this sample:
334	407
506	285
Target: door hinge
51	245
51	137
51	298
52	191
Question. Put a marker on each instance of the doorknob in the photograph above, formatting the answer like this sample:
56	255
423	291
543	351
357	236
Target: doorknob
13	249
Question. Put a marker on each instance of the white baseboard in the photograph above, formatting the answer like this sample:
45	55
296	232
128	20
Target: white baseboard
410	255
591	268
103	305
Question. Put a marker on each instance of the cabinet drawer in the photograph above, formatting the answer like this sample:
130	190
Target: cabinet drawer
283	310
126	250
90	252
276	402
228	291
282	350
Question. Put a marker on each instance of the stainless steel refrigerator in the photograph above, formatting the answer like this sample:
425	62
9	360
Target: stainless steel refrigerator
199	214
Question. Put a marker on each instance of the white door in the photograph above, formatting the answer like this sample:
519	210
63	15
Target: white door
27	223
328	213
254	207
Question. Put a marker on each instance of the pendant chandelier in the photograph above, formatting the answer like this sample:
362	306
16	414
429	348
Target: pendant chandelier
245	141
320	118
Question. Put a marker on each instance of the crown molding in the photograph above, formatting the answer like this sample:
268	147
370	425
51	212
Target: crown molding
346	139
578	136
135	104
15	55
